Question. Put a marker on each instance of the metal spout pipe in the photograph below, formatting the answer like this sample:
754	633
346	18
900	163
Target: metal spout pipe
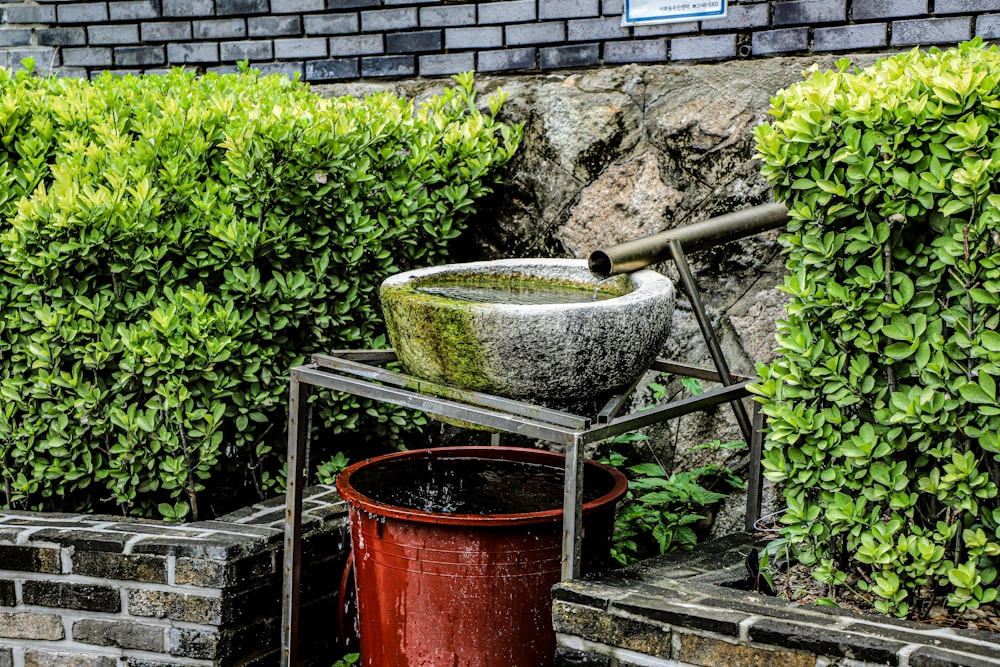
634	255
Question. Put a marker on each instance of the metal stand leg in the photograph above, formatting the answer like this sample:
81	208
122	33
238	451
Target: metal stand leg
755	477
714	349
572	511
298	395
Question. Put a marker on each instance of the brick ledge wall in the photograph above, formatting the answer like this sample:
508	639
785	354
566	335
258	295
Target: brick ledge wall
89	591
673	612
336	40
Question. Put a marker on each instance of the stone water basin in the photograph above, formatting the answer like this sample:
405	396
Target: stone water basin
541	330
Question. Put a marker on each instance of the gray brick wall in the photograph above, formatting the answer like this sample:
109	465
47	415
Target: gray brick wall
807	12
549	32
133	10
453	63
915	32
705	47
83	591
881	9
389	19
487	37
507	59
29	14
219	29
274	26
448	16
89	12
562	57
336	40
869	36
988	26
635	51
784	40
567	9
510	11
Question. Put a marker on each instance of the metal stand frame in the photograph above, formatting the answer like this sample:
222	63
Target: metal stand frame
347	371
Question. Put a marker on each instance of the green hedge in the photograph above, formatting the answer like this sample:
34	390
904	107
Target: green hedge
171	245
883	412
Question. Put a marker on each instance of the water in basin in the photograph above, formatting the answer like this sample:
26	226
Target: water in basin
515	293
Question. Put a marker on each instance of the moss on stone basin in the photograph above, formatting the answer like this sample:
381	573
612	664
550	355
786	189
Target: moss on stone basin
550	352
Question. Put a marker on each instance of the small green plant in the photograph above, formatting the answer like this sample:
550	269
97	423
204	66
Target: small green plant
327	471
348	660
660	511
883	414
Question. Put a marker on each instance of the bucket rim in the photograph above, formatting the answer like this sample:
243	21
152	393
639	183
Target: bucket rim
358	501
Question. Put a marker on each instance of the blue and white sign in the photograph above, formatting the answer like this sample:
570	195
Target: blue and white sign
644	12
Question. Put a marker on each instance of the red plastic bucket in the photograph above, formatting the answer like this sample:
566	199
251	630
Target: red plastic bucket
453	583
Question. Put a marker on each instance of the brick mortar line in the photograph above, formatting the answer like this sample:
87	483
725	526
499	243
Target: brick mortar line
204	539
744	628
41	517
615	611
66	559
263	511
860	626
325	504
82	529
76	649
130	544
23	536
850	626
904	654
122	602
180	531
81	615
125	584
250	537
734	640
88	524
333	506
933	632
116	527
170	563
324	517
675	643
760	604
589	646
198	535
